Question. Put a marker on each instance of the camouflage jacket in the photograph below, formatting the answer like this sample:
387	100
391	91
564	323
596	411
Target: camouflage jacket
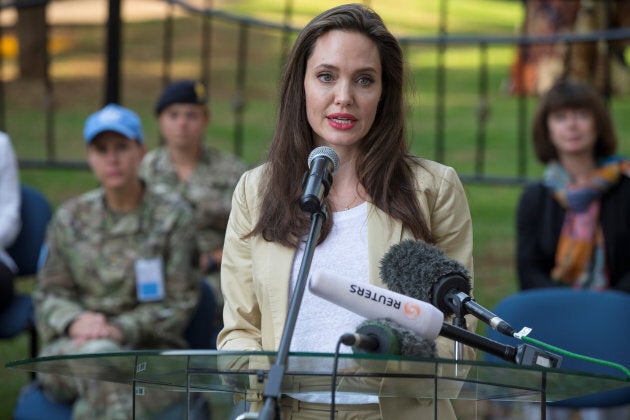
91	255
208	190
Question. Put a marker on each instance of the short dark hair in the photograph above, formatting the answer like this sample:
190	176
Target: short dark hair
567	94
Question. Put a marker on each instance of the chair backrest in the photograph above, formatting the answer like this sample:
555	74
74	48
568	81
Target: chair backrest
35	212
199	332
586	322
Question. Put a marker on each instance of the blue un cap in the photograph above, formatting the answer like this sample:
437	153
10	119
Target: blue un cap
113	118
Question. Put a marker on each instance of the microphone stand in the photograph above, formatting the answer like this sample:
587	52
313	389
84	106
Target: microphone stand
271	392
446	302
458	351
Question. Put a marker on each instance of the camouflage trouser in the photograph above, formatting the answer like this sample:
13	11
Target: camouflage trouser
97	399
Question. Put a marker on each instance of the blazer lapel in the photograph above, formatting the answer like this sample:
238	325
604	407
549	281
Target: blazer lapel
279	261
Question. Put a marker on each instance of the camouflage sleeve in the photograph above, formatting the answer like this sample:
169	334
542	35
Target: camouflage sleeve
164	321
56	300
144	171
214	213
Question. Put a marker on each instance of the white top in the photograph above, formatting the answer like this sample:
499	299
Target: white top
320	323
9	199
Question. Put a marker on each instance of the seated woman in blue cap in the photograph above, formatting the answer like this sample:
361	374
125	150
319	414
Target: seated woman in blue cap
118	270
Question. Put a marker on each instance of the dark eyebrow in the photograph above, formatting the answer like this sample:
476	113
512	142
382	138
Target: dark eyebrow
368	69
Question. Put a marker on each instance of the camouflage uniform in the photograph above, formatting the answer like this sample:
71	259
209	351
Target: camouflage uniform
208	190
90	267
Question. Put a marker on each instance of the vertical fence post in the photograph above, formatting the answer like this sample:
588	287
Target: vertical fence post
607	88
49	104
440	83
239	99
521	153
206	46
286	32
112	89
482	110
167	46
521	114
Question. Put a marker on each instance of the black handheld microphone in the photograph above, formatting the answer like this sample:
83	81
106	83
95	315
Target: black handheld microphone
422	271
322	163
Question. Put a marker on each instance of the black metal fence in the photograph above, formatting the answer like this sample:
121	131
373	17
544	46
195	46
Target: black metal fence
478	127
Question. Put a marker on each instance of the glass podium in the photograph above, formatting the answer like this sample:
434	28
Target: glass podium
238	376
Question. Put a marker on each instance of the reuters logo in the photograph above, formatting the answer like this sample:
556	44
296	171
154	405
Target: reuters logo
411	310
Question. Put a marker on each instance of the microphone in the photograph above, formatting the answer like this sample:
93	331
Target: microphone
385	336
417	269
372	337
373	302
322	163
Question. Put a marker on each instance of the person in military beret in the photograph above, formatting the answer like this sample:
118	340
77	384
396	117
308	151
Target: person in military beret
203	176
118	272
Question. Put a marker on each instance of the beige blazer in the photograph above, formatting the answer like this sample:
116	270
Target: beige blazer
255	273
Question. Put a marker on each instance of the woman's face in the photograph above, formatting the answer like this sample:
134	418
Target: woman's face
343	86
572	131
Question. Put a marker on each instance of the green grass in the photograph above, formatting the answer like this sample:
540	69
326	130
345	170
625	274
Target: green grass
78	90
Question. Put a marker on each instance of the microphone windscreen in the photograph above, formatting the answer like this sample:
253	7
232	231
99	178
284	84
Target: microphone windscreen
413	268
410	343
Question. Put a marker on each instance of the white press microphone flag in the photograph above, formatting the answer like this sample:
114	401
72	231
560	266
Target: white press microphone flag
373	302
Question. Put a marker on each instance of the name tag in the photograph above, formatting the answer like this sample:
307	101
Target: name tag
149	279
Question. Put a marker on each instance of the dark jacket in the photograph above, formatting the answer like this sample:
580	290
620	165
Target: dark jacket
539	221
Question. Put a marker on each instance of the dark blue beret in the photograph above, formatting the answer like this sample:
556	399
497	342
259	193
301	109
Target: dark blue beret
182	92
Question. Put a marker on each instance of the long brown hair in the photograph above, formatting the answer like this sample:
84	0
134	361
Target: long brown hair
383	164
567	94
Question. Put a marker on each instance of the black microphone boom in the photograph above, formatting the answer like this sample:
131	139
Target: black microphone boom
422	271
322	163
523	354
384	336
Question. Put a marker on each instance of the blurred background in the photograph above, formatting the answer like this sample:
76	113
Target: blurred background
476	69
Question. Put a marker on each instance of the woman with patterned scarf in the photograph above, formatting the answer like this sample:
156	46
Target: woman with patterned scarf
573	227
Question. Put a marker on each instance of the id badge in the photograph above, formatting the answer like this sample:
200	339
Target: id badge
149	279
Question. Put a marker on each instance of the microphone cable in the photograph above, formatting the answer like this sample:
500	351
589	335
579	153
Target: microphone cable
522	335
333	385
